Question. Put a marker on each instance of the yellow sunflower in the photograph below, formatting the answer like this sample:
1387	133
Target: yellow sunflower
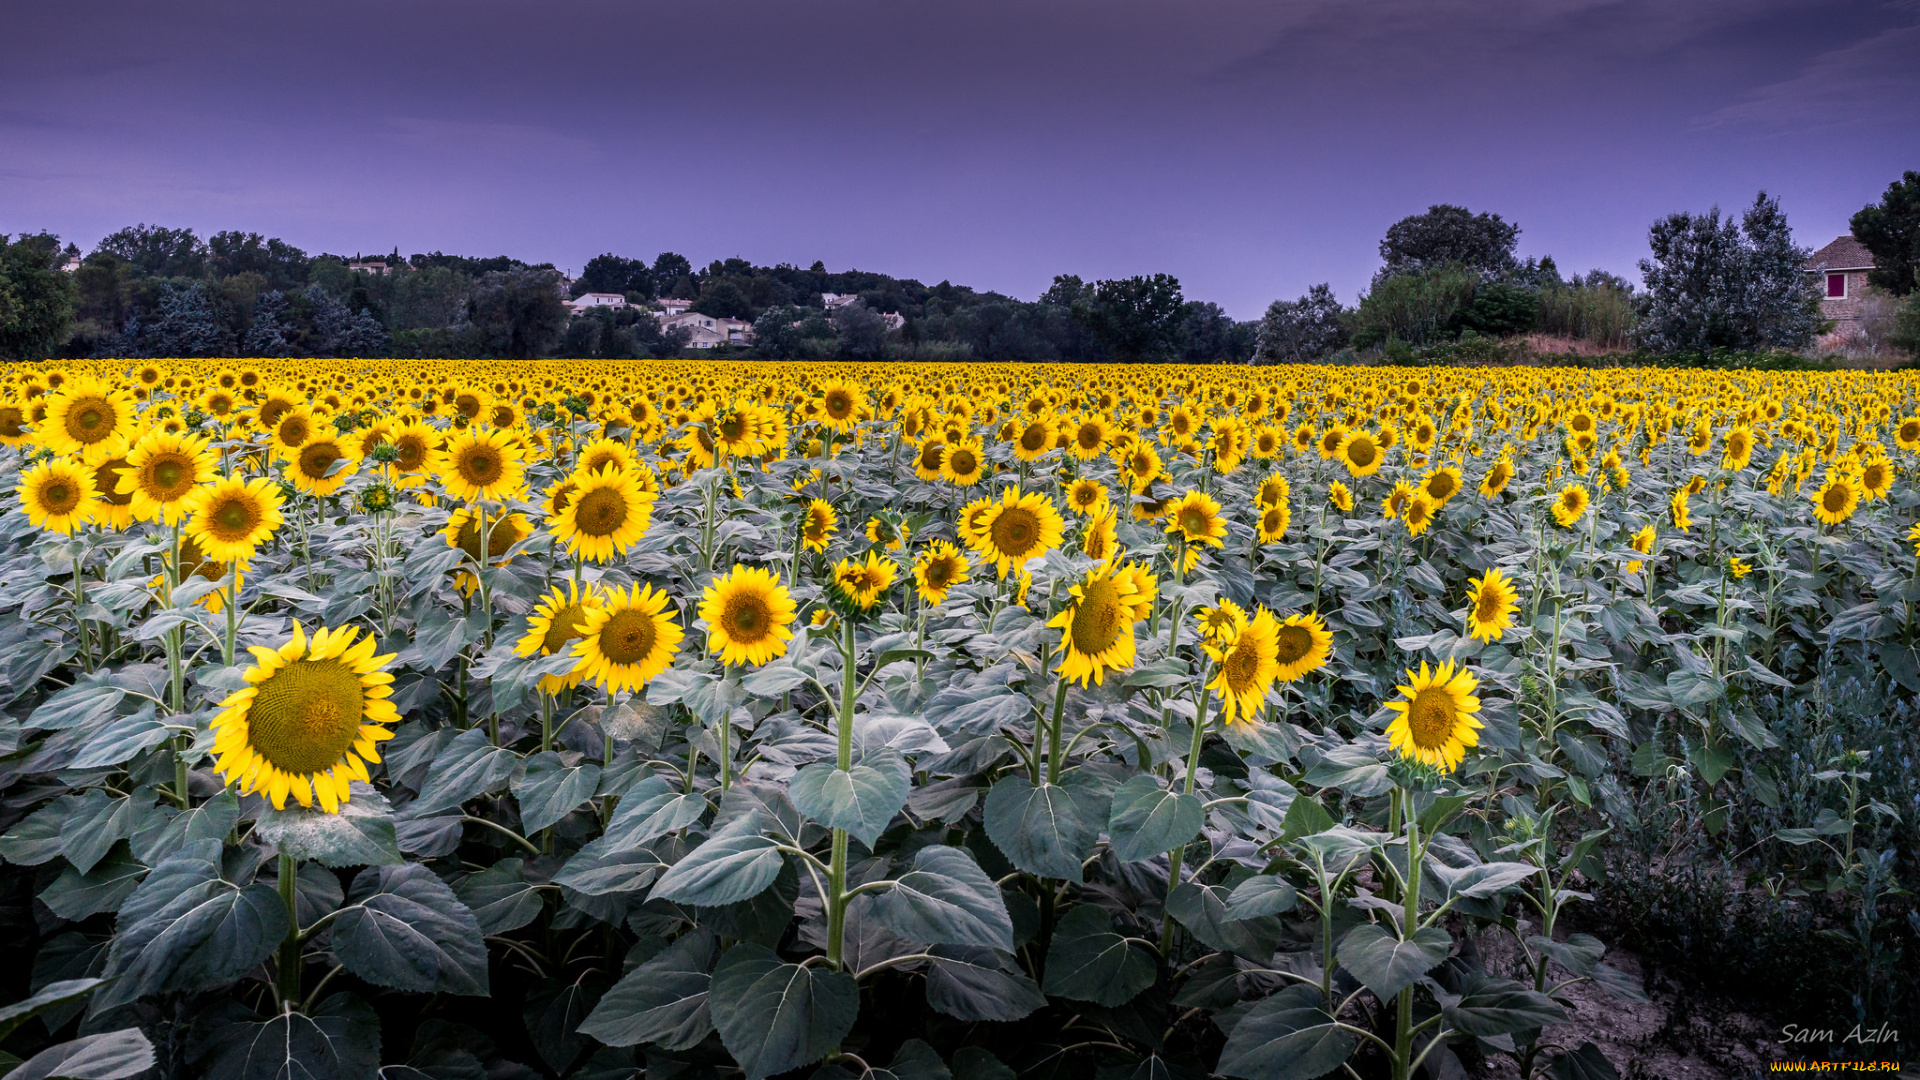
1876	478
929	456
1436	722
114	510
1417	515
87	419
480	464
1197	518
291	431
1441	484
1086	495
1570	505
1491	602
627	638
604	453
1642	542
1836	500
1340	498
1273	491
1396	500
1098	540
308	720
1361	453
1497	478
1908	433
323	463
964	462
749	616
1096	627
13	424
232	516
1034	439
607	513
840	405
889	534
1678	507
1274	521
413	445
816	529
1246	668
503	531
58	495
939	568
1020	527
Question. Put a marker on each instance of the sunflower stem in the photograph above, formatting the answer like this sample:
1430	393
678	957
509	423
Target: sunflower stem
837	869
79	620
1057	748
1175	857
289	966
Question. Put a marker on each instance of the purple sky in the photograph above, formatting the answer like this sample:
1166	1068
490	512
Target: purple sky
1250	147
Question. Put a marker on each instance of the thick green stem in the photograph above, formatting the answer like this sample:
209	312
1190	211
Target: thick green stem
1057	747
79	620
1410	922
289	967
837	870
1178	854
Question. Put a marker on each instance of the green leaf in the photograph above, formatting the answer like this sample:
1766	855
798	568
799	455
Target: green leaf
1689	689
1264	894
66	990
552	1015
663	1001
361	834
946	899
85	702
861	800
404	928
340	1040
110	1055
1578	954
40	836
187	928
1385	963
99	822
74	896
1285	1036
970	983
1203	910
652	808
1305	817
470	765
915	1060
1148	820
1583	1063
1087	961
773	1016
735	863
211	820
604	868
550	789
1043	830
1492	1006
1480	881
121	741
500	897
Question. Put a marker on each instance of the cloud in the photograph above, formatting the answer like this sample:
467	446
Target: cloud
1854	86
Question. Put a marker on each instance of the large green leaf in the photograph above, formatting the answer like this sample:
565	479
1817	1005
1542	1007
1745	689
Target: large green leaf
361	834
187	928
403	927
774	1016
500	897
735	863
1262	894
59	993
605	868
946	899
40	835
550	789
211	820
861	800
1043	830
98	822
1490	1006
74	896
979	984
121	741
1202	909
470	765
110	1055
1385	963
663	1001
1087	961
1285	1037
1148	819
340	1040
652	808
1477	882
1585	1062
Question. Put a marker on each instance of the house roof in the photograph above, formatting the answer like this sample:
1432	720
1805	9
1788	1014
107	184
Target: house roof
1845	253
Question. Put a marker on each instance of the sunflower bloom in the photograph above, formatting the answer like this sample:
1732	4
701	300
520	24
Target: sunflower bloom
865	583
480	464
627	639
749	616
1361	453
1020	527
1340	498
964	463
938	569
559	618
1491	602
233	516
58	495
816	530
1436	723
1096	627
1570	505
87	419
1197	518
162	473
1836	500
309	719
607	513
1246	668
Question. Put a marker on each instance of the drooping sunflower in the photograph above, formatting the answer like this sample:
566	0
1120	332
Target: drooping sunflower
864	583
884	530
1436	723
1642	542
928	457
190	561
1340	497
1096	627
1221	622
1302	645
1273	491
559	618
607	513
87	419
628	638
1396	500
480	463
1361	453
1098	541
939	568
964	462
1441	484
1417	514
58	495
1246	668
1677	505
1196	517
816	529
309	719
1019	527
1570	505
749	616
232	516
1491	602
1836	500
314	469
1499	474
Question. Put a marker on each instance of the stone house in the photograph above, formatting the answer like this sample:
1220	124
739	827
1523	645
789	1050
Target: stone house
708	331
1841	269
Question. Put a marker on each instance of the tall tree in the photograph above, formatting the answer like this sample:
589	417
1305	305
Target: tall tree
1299	330
1449	234
157	251
1136	319
518	313
1716	284
280	263
1891	230
610	273
36	299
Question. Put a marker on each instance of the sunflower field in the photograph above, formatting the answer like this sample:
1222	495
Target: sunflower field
577	719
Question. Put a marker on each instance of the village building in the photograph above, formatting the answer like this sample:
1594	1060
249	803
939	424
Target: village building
709	331
588	301
1840	270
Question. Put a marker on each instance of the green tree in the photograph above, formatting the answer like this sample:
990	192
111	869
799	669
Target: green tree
1135	319
1891	230
157	251
1300	330
1446	235
610	273
518	313
1716	284
36	299
1417	308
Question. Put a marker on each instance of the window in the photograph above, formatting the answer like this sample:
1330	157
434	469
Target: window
1836	285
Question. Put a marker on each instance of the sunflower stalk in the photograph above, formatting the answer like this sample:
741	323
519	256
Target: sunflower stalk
1177	855
837	896
287	981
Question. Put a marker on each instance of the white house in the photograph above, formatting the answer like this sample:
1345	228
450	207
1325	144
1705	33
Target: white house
675	307
835	301
378	268
708	331
586	301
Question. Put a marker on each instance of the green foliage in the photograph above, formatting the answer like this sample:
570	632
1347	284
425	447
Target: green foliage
1419	307
1891	230
36	299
